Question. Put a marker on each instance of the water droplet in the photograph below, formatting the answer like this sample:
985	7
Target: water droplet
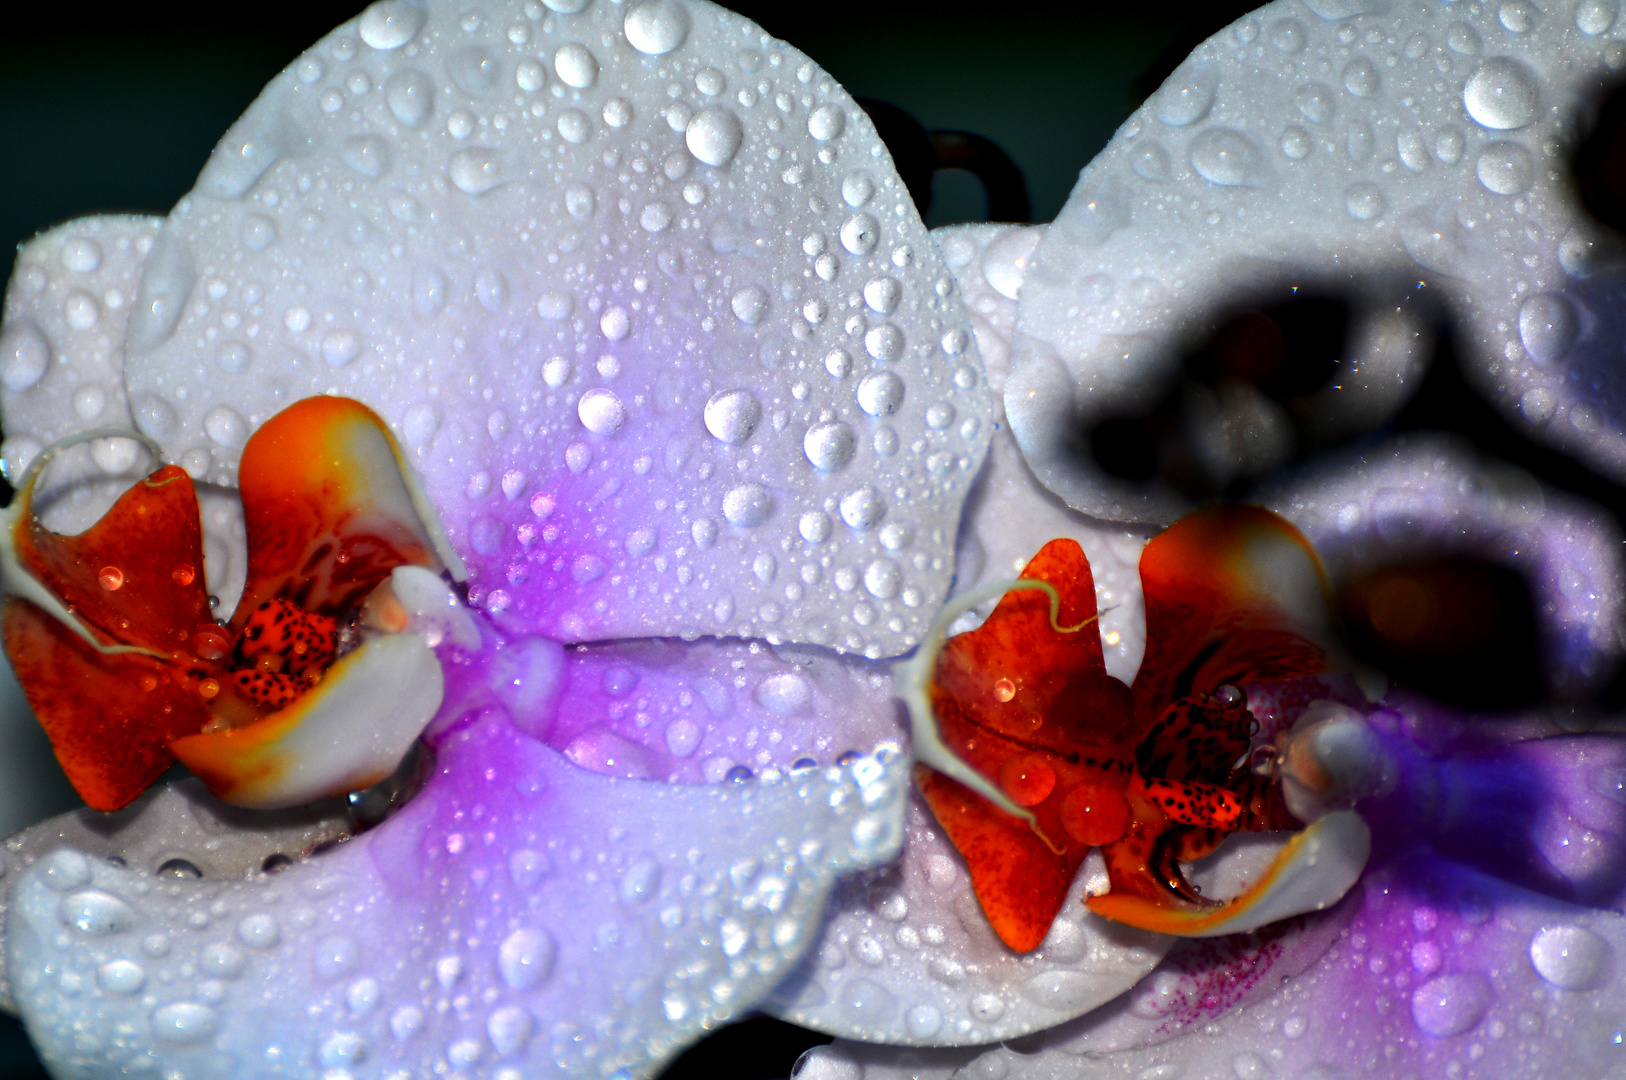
860	233
601	412
882	578
475	171
555	306
1506	168
1594	17
1361	77
1187	97
226	426
748	505
368	155
183	1023
923	1021
1296	143
1548	327
615	324
525	958
863	508
111	578
814	526
567	7
410	95
714	136
509	1029
389	24
1004	689
339	347
1226	157
1364	201
829	445
121	977
656	27
258	931
785	694
89	401
656	216
882	295
24	356
95	912
857	189
81	254
880	393
826	122
66	870
732	415
1570	957
576	66
1027	778
1288	35
1150	161
1502	94
258	232
420	424
1316	102
750	305
1451	1004
1517	16
884	343
234	357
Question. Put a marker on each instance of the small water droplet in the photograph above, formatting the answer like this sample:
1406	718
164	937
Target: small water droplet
121	977
411	97
829	445
863	508
884	343
826	122
1451	1004
1361	77
226	426
748	505
111	578
81	254
183	1023
750	305
525	958
475	170
1187	97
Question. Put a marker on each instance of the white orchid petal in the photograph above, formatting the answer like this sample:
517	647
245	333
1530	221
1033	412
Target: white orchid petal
1285	152
174	829
609	348
580	924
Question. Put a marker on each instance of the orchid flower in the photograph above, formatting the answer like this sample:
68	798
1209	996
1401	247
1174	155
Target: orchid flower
636	297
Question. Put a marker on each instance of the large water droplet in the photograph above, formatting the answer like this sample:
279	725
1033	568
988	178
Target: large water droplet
525	957
167	281
731	415
81	254
883	579
1187	97
576	66
829	445
785	694
860	233
475	171
884	343
880	393
748	505
410	96
389	24
826	122
24	356
1571	957
1361	77
1226	157
714	136
369	155
1502	94
121	977
1450	1004
863	508
96	912
1594	17
1548	327
1505	168
750	305
656	27
601	412
183	1023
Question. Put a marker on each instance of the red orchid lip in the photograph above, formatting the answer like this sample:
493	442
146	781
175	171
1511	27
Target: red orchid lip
114	643
1033	755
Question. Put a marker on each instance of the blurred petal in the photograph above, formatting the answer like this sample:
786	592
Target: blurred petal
1432	496
612	326
581	923
1233	595
1319	167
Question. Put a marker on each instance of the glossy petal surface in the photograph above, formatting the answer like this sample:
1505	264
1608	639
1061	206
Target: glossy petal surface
585	923
635	370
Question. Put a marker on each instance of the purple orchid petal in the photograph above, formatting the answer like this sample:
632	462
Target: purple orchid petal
1333	148
1431	496
1442	971
520	914
612	323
